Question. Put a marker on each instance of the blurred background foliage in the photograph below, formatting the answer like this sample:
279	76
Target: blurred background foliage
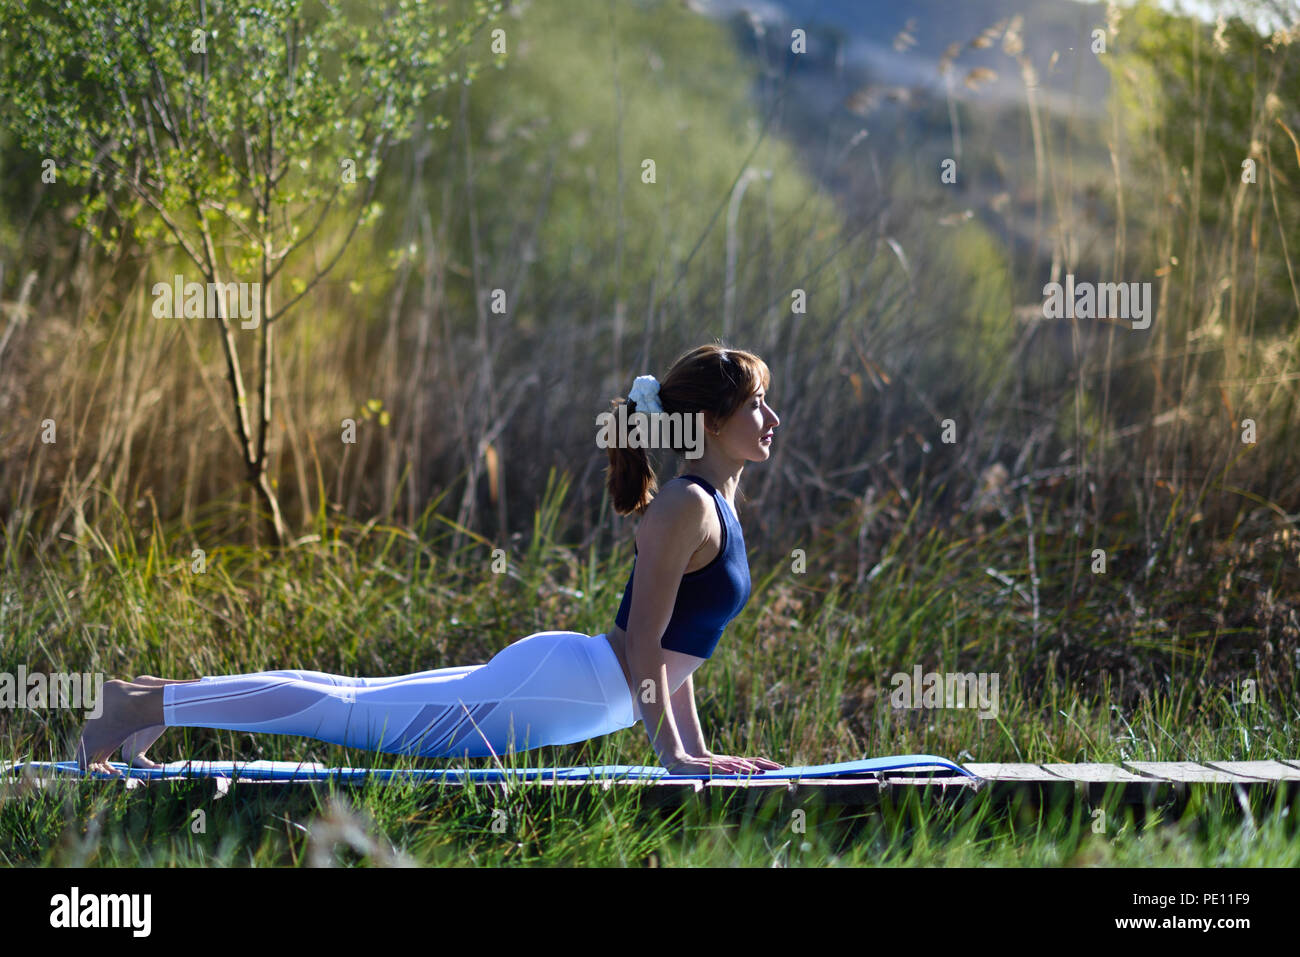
924	305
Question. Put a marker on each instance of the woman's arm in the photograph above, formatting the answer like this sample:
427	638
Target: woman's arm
660	719
688	725
688	720
671	531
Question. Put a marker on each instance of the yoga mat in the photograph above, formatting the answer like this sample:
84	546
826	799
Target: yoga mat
295	771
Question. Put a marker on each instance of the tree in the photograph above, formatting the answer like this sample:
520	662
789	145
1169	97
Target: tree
234	130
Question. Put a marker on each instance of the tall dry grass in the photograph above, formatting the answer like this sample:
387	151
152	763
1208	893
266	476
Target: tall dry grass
1077	436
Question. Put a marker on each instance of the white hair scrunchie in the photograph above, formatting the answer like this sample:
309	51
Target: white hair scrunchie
645	393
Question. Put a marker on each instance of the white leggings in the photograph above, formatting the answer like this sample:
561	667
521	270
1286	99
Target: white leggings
552	687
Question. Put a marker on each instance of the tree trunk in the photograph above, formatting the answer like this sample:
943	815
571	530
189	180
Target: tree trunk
263	485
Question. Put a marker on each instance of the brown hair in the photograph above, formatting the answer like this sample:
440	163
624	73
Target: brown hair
712	379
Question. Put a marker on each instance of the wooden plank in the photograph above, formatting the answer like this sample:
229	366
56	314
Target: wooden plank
954	780
1093	773
845	792
762	785
1265	770
941	789
1187	772
1013	772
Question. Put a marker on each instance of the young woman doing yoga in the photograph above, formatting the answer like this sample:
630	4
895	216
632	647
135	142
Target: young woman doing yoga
690	577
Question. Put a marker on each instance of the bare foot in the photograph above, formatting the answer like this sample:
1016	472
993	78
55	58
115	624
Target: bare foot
135	746
121	714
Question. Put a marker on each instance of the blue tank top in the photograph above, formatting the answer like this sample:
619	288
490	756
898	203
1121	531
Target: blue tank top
707	598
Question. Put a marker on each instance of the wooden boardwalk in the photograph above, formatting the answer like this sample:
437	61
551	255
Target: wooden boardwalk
1136	782
1141	783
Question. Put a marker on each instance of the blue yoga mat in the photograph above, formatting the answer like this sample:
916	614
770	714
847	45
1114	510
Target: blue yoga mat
294	771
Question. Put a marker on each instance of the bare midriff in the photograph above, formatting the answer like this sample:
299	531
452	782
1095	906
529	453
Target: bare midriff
680	666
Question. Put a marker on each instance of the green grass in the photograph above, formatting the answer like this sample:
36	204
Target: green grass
801	677
180	825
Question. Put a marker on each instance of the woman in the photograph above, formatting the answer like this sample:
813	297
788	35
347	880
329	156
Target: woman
553	687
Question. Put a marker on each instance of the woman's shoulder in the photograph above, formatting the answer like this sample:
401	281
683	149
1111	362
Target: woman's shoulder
680	504
681	494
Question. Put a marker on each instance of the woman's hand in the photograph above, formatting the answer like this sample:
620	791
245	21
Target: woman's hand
756	764
709	763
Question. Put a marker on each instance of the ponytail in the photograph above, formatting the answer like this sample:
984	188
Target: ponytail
631	478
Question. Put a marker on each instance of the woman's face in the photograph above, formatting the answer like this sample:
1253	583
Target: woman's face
747	435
